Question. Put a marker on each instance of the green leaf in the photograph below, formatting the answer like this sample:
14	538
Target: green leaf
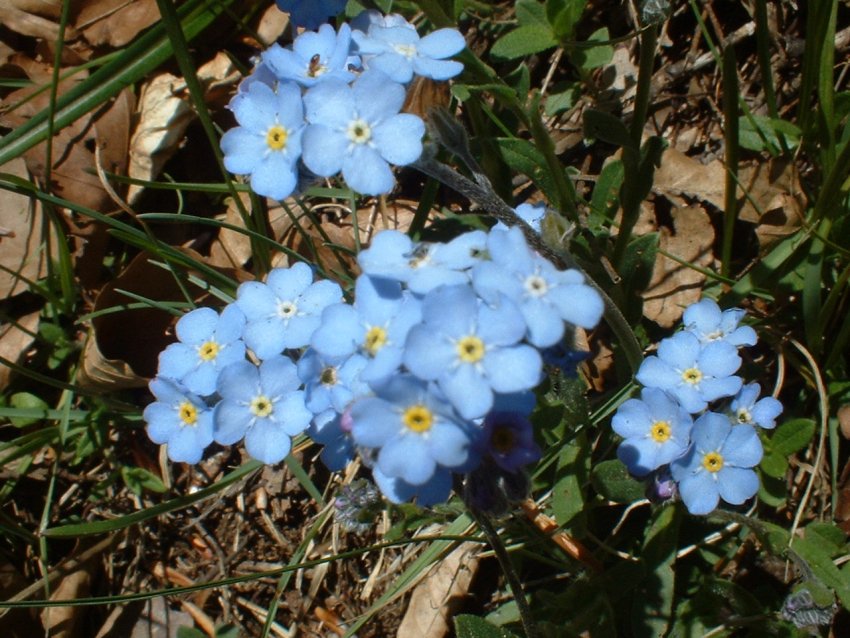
652	610
590	57
606	195
523	41
792	436
564	15
639	262
524	157
761	133
599	125
827	535
531	12
772	491
819	561
468	626
139	479
190	632
611	479
563	101
774	464
26	401
567	494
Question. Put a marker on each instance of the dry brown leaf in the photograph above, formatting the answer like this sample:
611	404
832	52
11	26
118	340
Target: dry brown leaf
675	286
122	348
271	26
775	200
16	623
33	18
63	622
21	256
232	249
15	340
114	22
165	111
681	175
435	600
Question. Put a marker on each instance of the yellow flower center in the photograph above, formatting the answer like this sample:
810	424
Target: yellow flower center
692	376
188	413
328	376
276	138
470	349
712	461
376	338
418	418
209	350
660	431
359	131
261	406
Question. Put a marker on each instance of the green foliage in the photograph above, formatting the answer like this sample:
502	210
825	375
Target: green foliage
467	626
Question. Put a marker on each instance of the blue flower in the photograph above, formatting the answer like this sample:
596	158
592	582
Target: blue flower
283	312
423	266
746	409
376	326
267	143
358	129
435	490
545	295
310	13
399	52
331	382
471	349
314	57
718	465
262	404
709	323
416	432
208	342
692	373
656	430
326	429
509	439
178	419
531	214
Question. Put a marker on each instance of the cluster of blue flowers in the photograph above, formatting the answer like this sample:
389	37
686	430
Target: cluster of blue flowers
330	103
710	454
427	374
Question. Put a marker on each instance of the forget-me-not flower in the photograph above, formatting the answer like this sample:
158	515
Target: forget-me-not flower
414	429
748	409
207	342
357	129
718	465
263	405
693	373
267	143
331	382
709	323
656	430
178	419
399	52
376	326
471	349
315	56
338	447
310	13
283	312
545	295
435	490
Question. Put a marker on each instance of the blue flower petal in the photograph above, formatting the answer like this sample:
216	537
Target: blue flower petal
323	149
399	138
365	171
267	442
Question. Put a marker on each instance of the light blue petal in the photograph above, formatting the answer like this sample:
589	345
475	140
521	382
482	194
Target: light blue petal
639	455
736	485
501	324
448	444
712	389
468	391
580	305
331	104
239	381
632	419
340	332
375	422
655	373
407	458
436	69
377	97
681	350
162	422
276	177
323	149
700	494
743	336
764	412
319	296
545	328
230	422
266	337
243	150
442	43
197	326
513	369
279	376
256	300
365	171
294	415
288	283
394	66
703	316
742	447
719	359
399	138
428	277
256	110
710	432
284	63
428	355
202	380
177	360
452	310
267	442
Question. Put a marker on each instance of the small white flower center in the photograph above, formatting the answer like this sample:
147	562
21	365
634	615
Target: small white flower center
692	376
536	286
407	50
359	131
744	416
287	309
